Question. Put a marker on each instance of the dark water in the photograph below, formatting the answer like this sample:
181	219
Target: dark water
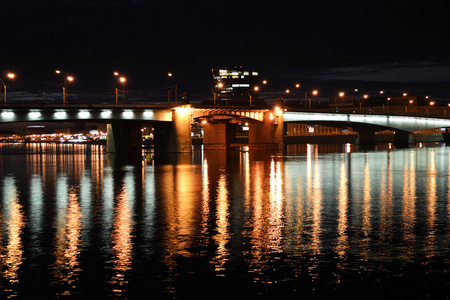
78	223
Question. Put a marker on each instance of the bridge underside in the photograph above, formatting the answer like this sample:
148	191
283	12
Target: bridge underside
219	131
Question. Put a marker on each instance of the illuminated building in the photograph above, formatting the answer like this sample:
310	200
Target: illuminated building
235	85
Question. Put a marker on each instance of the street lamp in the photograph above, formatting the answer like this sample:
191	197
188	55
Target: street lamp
219	87
122	80
307	99
68	78
175	86
365	97
10	76
256	89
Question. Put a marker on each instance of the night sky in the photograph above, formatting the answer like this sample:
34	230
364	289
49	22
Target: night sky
339	44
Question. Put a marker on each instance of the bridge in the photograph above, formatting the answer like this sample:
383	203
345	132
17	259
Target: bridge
172	124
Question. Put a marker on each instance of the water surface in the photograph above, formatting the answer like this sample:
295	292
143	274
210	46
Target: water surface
78	222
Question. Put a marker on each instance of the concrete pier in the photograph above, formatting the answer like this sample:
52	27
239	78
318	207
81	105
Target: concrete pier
174	136
124	137
269	133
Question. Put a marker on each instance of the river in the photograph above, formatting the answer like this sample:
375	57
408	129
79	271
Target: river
316	221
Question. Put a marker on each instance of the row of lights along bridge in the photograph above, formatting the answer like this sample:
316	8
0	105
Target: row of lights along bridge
309	94
69	79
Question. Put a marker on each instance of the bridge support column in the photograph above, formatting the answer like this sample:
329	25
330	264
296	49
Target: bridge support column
269	134
366	138
218	136
174	136
124	137
403	138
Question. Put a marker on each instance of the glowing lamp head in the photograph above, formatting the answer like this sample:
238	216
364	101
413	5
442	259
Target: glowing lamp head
315	92
297	85
69	78
11	75
256	88
122	79
341	94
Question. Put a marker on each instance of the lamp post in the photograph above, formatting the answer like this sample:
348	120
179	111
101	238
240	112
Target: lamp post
175	86
219	87
365	96
10	76
68	78
314	93
122	80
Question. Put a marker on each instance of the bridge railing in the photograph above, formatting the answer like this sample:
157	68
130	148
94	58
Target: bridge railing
422	111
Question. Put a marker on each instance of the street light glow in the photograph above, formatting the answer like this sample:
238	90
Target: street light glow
122	79
11	75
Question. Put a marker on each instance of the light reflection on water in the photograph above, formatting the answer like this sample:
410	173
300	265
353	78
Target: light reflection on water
75	220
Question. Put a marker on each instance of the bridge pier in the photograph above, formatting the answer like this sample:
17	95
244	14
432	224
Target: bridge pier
403	138
366	137
174	136
218	136
124	137
269	133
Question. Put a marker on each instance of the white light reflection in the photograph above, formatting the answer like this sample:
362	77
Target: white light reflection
386	199
122	244
367	214
205	198
342	228
276	223
36	208
67	242
409	205
222	214
431	203
13	222
314	198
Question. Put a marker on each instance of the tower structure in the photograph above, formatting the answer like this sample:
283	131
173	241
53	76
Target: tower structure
235	86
